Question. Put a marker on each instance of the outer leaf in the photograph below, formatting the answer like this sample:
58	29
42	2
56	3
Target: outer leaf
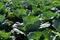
1	5
2	17
47	15
4	34
56	24
29	20
36	35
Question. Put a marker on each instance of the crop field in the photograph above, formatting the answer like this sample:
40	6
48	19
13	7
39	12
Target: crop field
29	19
